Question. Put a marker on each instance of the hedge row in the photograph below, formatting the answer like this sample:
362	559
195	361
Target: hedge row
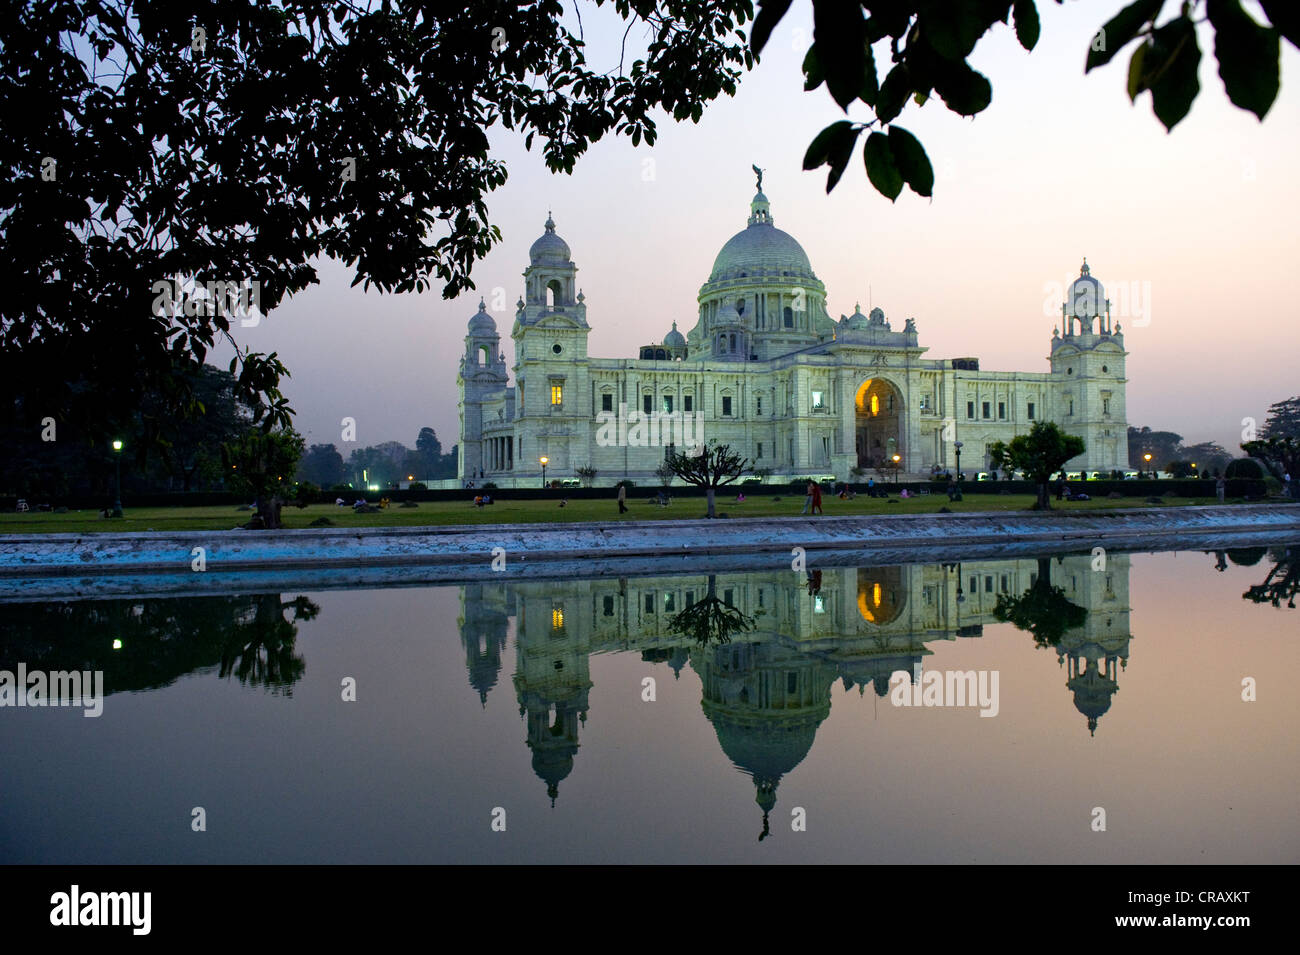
1236	488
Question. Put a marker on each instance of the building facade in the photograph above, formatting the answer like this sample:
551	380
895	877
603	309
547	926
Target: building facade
766	370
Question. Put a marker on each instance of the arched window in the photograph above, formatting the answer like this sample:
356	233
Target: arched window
789	317
554	293
486	354
660	354
722	343
733	341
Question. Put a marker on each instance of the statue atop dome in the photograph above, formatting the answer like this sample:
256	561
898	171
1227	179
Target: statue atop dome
759	173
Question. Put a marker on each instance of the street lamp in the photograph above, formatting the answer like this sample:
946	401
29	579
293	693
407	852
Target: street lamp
957	445
896	460
117	457
1147	456
544	461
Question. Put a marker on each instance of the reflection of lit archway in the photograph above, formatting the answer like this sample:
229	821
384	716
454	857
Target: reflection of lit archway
879	419
881	596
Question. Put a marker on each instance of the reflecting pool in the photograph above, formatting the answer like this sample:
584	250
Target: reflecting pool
699	717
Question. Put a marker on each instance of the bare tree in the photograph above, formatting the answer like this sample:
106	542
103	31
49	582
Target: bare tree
714	466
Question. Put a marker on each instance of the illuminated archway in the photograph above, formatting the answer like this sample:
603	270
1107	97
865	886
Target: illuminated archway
879	422
881	596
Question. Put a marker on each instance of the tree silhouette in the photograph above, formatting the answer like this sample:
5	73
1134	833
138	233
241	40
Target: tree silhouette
1043	610
711	467
711	620
1282	582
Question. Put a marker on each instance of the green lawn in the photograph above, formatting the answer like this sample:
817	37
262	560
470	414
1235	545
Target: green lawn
526	512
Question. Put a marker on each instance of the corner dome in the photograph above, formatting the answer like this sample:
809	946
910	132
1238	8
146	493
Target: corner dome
482	323
1087	297
549	249
675	339
857	319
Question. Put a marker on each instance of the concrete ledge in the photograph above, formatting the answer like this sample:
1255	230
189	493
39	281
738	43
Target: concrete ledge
581	544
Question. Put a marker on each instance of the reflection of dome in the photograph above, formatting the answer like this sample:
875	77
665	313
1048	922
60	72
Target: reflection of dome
481	323
760	246
550	249
675	339
552	766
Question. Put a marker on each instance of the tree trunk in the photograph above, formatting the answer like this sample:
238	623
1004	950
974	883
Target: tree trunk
712	512
1044	502
268	509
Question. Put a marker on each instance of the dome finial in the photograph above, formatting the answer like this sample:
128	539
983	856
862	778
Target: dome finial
482	305
1085	270
550	223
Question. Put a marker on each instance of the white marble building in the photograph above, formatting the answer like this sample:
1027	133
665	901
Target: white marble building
766	370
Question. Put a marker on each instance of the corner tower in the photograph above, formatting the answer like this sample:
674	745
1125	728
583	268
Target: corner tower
481	378
1090	378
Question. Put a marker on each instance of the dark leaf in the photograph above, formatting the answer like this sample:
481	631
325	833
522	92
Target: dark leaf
770	13
1169	70
912	162
840	36
893	94
881	170
1248	56
1119	30
1285	15
812	70
1026	22
964	90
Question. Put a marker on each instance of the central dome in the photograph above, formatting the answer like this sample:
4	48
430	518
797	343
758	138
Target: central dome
761	246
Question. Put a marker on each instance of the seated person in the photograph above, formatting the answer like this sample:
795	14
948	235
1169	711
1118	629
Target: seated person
740	498
478	500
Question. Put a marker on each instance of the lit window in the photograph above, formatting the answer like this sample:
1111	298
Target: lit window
557	393
557	618
875	404
668	404
816	399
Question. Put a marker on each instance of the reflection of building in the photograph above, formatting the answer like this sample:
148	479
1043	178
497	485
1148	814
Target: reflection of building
768	691
483	626
768	371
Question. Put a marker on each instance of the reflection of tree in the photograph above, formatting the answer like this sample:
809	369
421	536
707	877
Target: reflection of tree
1282	582
711	620
159	640
1043	610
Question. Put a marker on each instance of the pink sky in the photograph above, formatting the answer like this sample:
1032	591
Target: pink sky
1193	227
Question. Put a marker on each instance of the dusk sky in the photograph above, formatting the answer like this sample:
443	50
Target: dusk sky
1190	233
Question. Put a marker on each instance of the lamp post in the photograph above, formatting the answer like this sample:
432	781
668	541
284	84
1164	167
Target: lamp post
957	445
1147	456
117	457
544	461
896	460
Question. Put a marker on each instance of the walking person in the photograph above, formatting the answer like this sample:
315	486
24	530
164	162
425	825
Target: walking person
622	498
816	498
808	498
1219	487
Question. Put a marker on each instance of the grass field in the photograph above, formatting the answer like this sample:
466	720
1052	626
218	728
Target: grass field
529	512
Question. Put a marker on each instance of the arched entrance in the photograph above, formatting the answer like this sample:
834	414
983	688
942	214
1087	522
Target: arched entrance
881	596
879	423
